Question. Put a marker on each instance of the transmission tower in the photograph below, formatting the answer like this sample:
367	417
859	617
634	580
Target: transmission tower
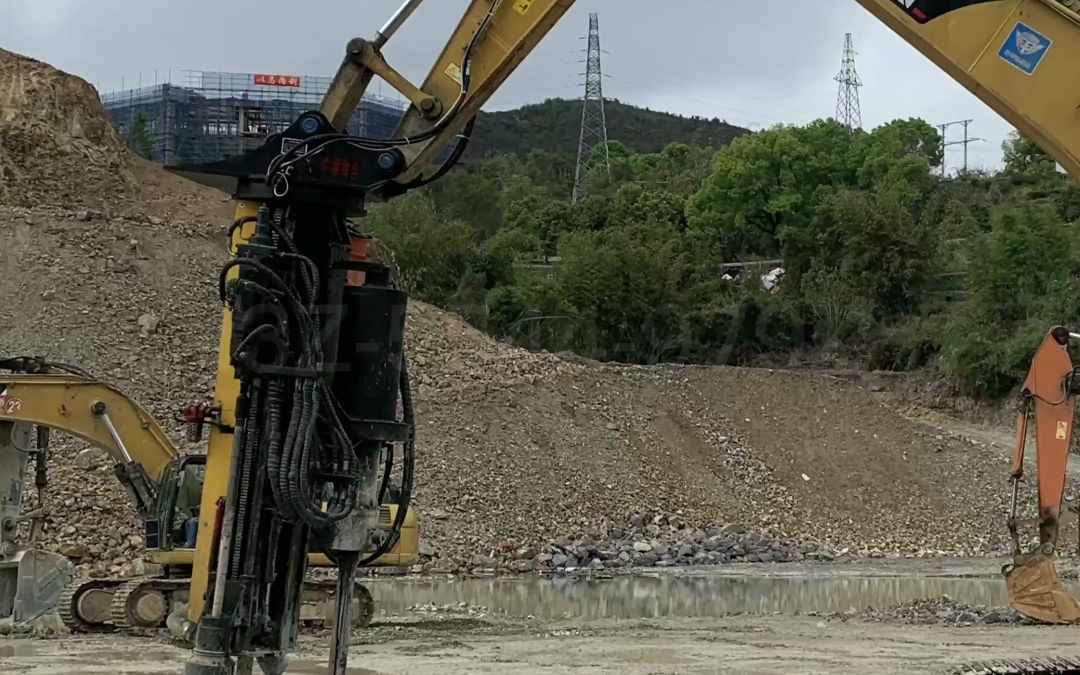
848	110
593	148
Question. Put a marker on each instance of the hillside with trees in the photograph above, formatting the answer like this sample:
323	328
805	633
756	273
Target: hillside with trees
885	262
555	124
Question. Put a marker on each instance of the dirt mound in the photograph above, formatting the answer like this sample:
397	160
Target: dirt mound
58	147
57	144
162	198
515	449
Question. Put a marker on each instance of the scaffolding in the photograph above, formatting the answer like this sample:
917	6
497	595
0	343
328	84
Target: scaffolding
215	115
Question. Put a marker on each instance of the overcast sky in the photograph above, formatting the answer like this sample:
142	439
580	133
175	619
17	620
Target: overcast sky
752	62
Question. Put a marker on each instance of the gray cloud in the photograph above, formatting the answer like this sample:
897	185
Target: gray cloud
752	62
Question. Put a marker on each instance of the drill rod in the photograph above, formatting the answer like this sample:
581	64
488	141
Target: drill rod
339	647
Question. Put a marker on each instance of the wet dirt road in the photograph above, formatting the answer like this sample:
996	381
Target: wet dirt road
469	646
658	623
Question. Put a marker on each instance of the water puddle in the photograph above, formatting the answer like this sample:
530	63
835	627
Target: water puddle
686	597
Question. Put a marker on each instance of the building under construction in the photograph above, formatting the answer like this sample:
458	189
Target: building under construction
215	115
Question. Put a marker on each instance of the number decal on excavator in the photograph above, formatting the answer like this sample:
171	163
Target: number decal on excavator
9	405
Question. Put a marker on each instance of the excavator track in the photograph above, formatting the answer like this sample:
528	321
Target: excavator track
144	603
84	605
1058	666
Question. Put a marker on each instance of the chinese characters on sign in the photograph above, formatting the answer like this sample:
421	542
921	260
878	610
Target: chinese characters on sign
278	80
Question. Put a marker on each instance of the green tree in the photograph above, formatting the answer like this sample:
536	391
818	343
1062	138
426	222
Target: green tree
899	156
434	256
1022	279
140	140
554	171
1023	267
910	138
1023	157
769	181
870	244
470	197
621	285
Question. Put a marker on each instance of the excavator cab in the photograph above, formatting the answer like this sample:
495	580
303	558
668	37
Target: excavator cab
1049	398
174	523
172	527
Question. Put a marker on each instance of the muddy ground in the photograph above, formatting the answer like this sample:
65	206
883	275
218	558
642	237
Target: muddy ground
745	619
750	644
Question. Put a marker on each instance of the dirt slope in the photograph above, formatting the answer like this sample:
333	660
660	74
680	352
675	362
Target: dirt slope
515	448
59	148
56	143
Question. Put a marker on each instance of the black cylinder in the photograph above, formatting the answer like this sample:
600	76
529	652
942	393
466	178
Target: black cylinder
370	347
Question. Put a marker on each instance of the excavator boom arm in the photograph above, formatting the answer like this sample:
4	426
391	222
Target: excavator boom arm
1018	56
93	411
1034	587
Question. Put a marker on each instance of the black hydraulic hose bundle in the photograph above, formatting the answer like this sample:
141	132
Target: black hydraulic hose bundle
310	463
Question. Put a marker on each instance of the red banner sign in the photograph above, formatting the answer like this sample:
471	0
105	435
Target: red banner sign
278	80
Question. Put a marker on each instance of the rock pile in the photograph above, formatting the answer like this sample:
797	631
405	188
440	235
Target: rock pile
646	540
944	611
57	145
516	450
59	148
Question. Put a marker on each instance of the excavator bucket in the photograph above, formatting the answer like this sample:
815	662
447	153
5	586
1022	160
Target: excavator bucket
1036	591
31	583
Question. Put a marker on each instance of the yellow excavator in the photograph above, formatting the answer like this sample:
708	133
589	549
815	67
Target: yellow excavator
37	398
310	363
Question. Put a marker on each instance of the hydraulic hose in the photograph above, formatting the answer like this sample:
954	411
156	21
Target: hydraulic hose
408	463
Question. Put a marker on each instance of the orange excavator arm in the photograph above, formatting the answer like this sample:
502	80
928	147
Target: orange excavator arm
1047	397
1034	587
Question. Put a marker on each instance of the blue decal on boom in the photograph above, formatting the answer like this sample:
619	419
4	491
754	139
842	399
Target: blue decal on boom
1025	48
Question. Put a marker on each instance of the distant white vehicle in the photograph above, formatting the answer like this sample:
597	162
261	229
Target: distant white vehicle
770	282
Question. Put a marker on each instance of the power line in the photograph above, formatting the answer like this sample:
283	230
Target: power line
641	63
593	152
946	144
848	108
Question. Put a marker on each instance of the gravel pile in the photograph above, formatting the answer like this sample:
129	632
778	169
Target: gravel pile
645	540
944	611
59	148
516	450
57	145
